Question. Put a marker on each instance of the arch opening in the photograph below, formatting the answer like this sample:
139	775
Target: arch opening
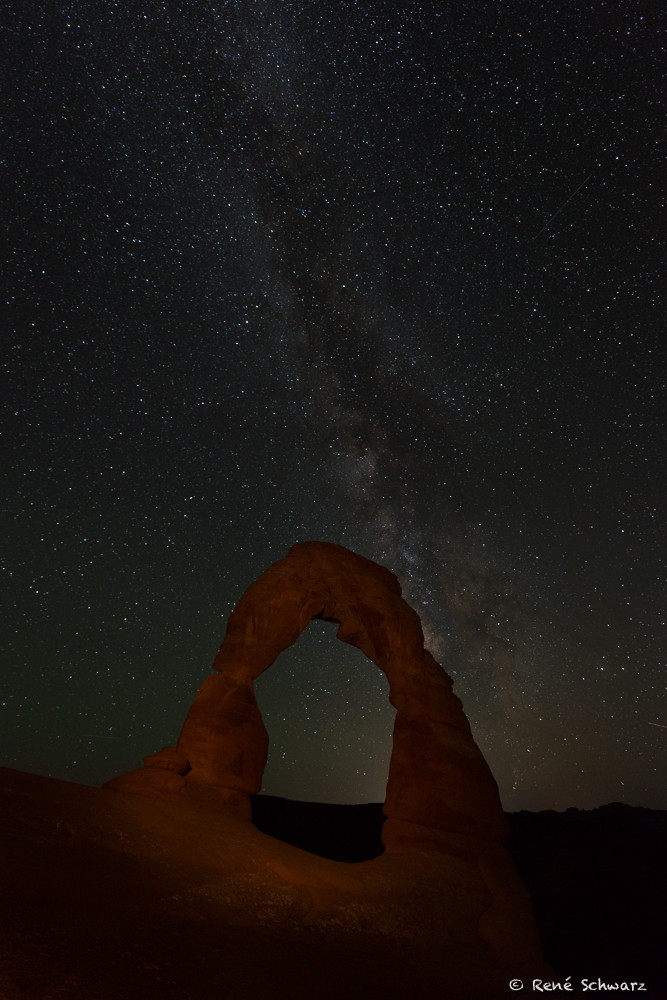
327	712
326	708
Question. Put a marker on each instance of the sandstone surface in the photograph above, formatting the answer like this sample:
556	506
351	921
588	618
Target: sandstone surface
160	897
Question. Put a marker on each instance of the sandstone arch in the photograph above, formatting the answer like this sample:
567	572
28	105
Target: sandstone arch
439	785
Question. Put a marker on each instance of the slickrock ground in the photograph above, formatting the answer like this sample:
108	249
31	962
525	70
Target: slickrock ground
109	895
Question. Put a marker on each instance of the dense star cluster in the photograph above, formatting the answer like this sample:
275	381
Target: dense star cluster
379	274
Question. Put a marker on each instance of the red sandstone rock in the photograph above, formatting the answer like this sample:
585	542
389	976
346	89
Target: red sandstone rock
168	759
438	779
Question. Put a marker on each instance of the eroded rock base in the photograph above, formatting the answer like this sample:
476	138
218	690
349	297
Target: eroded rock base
110	895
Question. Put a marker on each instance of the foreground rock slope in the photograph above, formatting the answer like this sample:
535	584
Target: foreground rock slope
121	895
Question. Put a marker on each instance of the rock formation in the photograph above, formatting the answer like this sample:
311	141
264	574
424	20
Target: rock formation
439	783
444	822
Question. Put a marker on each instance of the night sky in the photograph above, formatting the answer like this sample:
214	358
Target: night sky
376	274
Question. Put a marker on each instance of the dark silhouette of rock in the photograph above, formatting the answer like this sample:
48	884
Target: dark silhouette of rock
598	880
349	833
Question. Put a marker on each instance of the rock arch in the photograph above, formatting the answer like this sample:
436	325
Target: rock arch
439	784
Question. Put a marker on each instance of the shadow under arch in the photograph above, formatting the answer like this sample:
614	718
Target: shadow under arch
438	785
347	833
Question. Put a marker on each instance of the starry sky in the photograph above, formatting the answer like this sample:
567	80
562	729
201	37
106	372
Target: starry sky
380	274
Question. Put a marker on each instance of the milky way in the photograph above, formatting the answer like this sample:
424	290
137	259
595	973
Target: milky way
370	274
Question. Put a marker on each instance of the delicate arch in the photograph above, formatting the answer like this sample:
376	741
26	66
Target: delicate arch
439	783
